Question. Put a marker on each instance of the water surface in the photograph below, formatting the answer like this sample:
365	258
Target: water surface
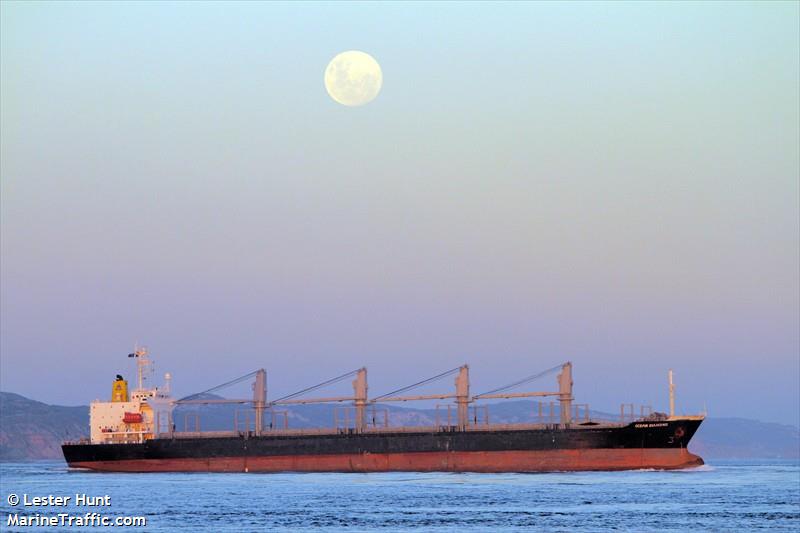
723	496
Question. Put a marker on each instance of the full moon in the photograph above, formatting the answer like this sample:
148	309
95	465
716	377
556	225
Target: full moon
353	78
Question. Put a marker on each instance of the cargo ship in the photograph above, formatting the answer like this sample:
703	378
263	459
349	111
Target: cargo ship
135	432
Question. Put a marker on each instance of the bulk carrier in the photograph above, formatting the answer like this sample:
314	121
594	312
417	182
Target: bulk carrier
135	432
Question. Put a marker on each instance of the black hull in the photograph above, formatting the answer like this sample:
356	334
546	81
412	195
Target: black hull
637	445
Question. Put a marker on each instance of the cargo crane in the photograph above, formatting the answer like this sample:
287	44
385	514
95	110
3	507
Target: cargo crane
360	400
564	393
259	399
461	394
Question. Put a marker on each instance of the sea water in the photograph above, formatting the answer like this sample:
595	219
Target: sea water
722	496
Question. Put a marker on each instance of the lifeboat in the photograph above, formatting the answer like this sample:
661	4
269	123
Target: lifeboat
132	418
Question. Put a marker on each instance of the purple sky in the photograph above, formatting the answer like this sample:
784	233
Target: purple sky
614	184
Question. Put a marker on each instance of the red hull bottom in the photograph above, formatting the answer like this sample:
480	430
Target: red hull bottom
507	461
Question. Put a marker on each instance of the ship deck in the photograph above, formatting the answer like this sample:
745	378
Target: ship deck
386	430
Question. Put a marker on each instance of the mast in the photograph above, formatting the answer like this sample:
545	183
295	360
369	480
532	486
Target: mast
462	397
671	395
565	393
360	398
260	398
143	361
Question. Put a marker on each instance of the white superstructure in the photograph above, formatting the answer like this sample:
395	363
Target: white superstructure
135	417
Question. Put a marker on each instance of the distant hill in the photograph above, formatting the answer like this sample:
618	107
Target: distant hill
35	430
741	438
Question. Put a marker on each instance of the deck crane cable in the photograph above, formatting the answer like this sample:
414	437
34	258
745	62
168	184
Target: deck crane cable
212	389
317	386
417	384
520	382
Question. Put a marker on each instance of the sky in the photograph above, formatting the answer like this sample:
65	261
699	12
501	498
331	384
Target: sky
614	184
